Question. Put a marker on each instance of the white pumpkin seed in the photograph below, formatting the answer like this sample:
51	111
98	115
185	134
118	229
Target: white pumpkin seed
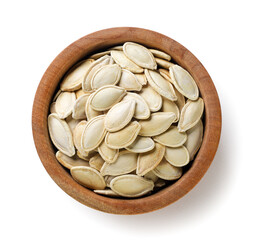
84	157
184	82
160	54
140	55
149	160
88	177
106	97
108	154
129	81
99	55
170	106
178	157
119	48
172	137
96	162
72	123
194	139
141	108
106	75
86	84
74	78
89	111
151	176
69	162
106	192
158	123
56	95
165	73
190	115
124	137
120	115
180	99
53	107
159	84
141	78
125	62
125	163
163	63
79	107
94	133
166	171
131	185
64	104
77	137
61	135
152	98
141	145
108	179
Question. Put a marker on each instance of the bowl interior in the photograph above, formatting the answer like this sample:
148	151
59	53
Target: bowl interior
99	41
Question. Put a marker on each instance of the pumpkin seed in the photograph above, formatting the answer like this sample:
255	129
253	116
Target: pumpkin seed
96	162
94	133
119	48
106	192
160	85
125	163
106	97
100	54
108	154
64	104
141	145
165	73
178	157
53	107
184	82
125	62
108	179
106	75
172	137
166	171
120	115
169	106
61	135
149	160
151	176
152	98
86	84
141	78
89	111
74	78
140	55
77	137
56	95
124	137
190	115
141	108
194	139
88	177
163	63
160	54
69	162
129	81
131	185
84	157
160	183
180	99
79	107
158	123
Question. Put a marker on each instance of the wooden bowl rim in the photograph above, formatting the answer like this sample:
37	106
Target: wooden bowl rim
100	40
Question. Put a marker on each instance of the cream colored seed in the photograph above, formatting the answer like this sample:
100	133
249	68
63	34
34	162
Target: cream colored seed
96	162
69	162
64	104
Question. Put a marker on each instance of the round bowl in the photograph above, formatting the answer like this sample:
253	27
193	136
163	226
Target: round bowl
98	41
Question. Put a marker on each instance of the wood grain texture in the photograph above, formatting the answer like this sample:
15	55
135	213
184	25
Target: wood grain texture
99	41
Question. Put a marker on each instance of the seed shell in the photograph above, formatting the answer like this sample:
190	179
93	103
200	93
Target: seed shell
163	63
96	162
160	54
141	145
64	104
99	55
88	177
89	111
108	154
177	157
141	78
131	185
79	107
170	106
69	162
61	135
107	192
149	160
129	81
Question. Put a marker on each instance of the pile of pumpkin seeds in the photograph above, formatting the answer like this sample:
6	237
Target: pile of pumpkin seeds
125	121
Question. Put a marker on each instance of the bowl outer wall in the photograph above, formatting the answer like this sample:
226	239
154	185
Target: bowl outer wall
98	41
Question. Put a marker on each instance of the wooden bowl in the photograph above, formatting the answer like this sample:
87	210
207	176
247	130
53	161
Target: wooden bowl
98	41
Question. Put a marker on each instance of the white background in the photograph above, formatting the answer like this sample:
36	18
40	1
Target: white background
222	36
